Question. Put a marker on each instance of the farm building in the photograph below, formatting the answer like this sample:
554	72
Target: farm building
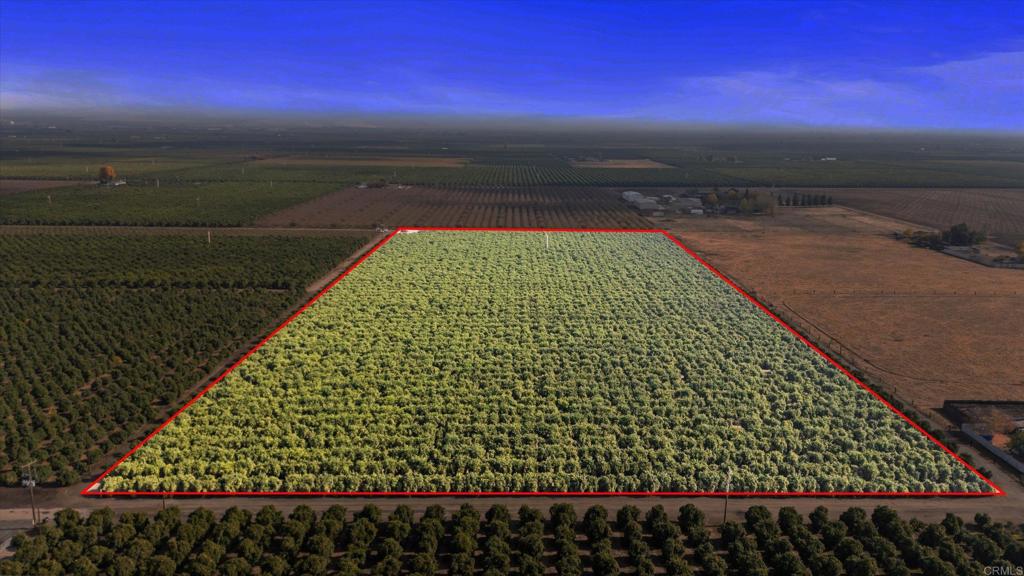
649	206
658	206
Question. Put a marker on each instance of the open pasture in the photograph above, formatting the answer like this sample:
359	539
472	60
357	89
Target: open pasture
536	362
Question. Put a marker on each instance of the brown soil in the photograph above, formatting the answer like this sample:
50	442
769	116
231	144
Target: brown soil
1000	212
932	326
8	187
410	161
613	163
418	206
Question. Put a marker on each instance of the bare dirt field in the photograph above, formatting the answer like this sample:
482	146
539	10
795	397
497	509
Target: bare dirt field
8	187
1000	212
620	163
933	326
419	206
397	161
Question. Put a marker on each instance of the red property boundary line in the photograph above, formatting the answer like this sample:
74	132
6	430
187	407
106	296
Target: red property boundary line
92	488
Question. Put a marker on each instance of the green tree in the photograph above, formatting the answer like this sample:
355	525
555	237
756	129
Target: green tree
423	564
962	235
236	567
313	565
1016	444
122	566
161	565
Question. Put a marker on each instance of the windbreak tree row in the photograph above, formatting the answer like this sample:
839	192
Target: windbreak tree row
530	543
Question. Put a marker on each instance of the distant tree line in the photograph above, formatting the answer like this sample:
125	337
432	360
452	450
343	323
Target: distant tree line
801	199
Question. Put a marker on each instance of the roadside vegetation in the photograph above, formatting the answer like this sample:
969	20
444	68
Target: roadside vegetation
103	334
530	542
522	361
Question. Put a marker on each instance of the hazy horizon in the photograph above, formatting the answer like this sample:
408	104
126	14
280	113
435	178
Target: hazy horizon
955	67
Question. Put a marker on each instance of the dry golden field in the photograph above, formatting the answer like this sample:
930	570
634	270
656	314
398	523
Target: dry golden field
933	326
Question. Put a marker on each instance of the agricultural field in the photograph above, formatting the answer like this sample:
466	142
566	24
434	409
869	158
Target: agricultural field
414	161
418	206
8	187
202	152
171	203
866	173
930	326
999	212
472	175
102	333
529	541
73	168
529	361
618	163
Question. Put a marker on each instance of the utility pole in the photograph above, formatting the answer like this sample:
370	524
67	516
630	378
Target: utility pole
28	480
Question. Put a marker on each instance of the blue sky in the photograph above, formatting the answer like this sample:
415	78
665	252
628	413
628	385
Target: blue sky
936	65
